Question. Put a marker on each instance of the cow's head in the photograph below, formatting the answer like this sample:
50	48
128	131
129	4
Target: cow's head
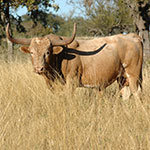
42	48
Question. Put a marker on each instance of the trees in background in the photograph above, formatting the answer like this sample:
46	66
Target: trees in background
59	25
140	12
105	17
37	10
97	18
117	16
100	17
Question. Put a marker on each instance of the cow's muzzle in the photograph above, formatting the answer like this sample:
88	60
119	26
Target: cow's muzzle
39	70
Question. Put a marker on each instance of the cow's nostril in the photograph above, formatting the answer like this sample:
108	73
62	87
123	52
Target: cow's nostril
39	70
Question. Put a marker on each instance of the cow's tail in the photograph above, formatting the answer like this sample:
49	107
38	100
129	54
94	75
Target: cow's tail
141	60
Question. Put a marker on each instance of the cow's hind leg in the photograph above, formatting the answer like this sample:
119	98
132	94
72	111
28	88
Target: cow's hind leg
133	75
124	89
125	92
135	86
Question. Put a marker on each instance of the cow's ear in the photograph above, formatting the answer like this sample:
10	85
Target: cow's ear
57	49
25	49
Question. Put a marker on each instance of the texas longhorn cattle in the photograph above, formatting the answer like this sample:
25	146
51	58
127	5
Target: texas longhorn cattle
120	59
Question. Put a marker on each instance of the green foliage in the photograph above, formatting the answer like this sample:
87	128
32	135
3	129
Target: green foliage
31	4
55	24
37	10
109	17
67	27
105	17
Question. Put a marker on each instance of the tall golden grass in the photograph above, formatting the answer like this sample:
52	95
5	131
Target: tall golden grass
34	118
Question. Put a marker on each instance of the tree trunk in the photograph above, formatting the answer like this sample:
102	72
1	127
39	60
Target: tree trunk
143	31
9	50
9	44
146	43
140	11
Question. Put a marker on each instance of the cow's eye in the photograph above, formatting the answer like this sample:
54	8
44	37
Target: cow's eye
48	53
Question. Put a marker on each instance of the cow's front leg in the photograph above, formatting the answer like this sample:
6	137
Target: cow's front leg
71	82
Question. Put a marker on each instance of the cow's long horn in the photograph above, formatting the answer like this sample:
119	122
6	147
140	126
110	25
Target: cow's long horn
16	41
66	41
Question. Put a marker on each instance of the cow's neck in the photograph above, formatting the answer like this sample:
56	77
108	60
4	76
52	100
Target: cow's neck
53	69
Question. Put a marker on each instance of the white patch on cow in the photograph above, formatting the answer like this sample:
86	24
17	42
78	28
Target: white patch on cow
37	40
88	86
125	92
139	89
124	65
127	75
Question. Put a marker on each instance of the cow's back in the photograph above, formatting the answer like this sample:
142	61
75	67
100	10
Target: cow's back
106	66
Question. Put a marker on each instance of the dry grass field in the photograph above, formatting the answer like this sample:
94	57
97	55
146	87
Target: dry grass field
34	118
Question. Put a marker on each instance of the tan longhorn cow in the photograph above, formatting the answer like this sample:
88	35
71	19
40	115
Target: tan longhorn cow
120	59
